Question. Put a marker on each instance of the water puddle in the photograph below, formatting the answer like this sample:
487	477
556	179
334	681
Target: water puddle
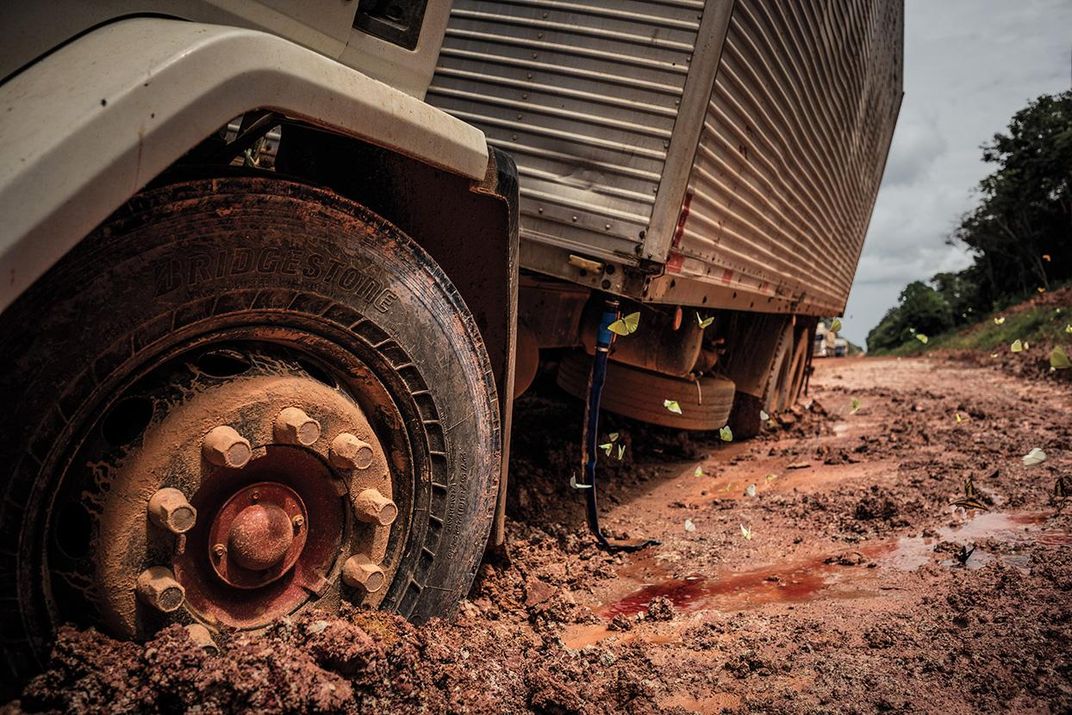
792	582
997	535
786	583
1010	530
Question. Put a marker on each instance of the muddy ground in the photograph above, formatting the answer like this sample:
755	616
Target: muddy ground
846	583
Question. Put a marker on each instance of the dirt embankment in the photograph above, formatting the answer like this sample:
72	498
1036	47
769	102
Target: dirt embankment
820	567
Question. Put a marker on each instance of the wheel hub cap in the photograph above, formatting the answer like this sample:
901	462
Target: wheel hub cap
289	482
261	530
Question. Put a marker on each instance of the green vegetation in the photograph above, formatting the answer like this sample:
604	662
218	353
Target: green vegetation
1036	324
1020	238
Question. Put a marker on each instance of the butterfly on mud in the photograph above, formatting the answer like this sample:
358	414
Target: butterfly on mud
964	554
971	499
1062	490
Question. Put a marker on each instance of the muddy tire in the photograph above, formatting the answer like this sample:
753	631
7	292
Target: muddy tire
639	394
745	418
782	386
798	366
317	289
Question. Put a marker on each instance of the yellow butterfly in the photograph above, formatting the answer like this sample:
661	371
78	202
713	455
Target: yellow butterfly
625	326
1059	359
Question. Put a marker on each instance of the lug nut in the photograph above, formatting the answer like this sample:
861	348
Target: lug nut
349	452
293	426
202	637
218	550
375	508
158	589
224	447
298	521
361	573
169	510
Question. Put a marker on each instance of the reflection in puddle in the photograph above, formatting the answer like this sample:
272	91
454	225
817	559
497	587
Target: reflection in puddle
791	583
910	553
815	578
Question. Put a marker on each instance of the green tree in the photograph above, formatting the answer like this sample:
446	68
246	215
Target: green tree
960	291
920	309
1020	234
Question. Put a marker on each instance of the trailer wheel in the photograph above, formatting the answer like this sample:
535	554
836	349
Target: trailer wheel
239	398
797	366
782	385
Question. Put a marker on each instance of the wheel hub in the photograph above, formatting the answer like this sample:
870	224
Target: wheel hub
248	497
258	535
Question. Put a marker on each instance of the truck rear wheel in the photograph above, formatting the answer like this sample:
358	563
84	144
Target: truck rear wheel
782	384
237	399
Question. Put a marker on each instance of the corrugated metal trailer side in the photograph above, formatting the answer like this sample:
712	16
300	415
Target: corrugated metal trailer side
791	153
753	185
584	96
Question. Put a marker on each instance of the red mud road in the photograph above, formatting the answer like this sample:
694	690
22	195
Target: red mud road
848	597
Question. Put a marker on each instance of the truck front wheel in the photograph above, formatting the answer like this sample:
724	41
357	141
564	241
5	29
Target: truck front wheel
240	398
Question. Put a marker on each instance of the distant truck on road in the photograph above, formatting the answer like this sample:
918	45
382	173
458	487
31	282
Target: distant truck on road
274	272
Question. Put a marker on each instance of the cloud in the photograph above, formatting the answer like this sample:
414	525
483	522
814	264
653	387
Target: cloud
969	66
917	144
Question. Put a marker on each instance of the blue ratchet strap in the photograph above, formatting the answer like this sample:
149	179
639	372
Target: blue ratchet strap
589	454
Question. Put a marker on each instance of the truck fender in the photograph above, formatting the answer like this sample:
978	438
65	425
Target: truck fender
87	126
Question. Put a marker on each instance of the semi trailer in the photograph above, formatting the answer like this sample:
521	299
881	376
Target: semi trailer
274	273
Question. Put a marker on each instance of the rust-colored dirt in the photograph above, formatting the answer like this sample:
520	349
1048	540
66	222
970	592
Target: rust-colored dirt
850	595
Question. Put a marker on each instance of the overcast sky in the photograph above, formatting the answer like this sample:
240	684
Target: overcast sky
969	66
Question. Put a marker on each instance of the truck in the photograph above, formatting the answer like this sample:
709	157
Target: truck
274	273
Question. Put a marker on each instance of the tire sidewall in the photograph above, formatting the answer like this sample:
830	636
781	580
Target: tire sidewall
183	257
